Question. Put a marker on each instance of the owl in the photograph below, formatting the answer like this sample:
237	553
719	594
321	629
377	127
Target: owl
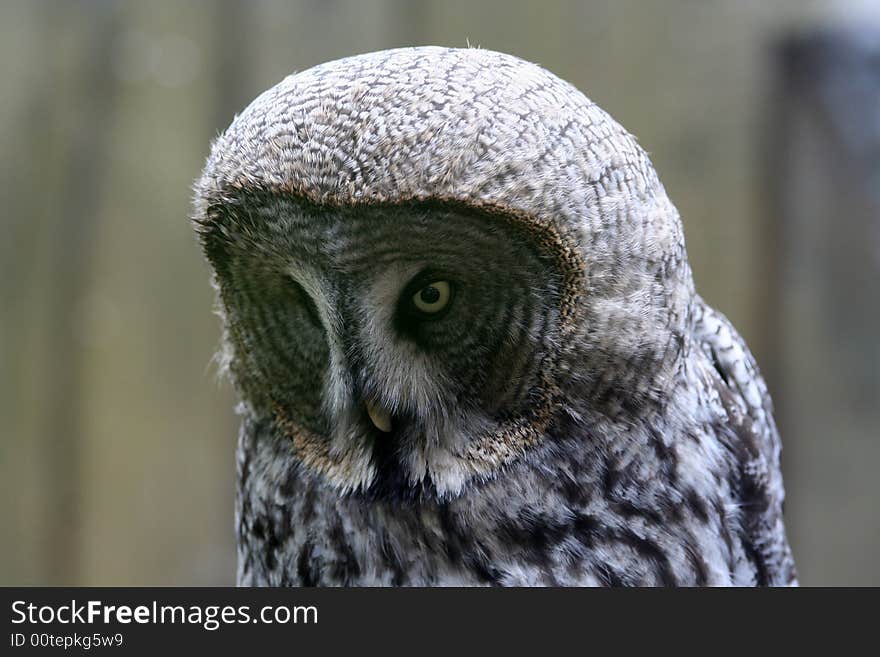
458	311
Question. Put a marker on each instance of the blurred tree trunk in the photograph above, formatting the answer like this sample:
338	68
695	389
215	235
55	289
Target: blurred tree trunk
26	145
232	31
71	243
824	308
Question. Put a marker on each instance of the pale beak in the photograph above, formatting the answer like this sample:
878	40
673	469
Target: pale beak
380	417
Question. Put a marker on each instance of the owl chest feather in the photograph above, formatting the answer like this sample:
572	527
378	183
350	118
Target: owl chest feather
566	515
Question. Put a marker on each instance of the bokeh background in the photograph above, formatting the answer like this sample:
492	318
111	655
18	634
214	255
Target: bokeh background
117	440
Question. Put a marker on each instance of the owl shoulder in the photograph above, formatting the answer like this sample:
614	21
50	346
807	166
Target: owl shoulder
748	432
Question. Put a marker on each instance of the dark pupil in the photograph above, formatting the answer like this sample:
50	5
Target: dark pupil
429	294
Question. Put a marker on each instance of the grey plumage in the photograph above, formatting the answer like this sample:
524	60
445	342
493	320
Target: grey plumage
576	414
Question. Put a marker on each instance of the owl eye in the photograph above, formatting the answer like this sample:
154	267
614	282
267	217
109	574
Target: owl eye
432	298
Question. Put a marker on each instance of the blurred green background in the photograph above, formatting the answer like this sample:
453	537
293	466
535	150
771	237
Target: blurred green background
117	440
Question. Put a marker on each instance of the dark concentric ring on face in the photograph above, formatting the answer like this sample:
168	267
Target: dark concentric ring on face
486	353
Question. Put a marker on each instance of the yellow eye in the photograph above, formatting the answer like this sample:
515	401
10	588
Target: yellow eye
432	298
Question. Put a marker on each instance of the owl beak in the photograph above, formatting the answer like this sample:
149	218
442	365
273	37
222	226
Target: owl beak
379	416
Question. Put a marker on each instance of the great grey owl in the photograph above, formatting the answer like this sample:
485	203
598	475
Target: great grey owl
458	311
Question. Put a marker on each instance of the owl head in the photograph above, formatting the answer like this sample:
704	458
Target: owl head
426	259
